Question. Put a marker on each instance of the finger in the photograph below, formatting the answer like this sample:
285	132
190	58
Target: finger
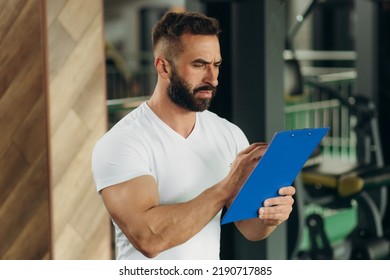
280	200
281	217
277	209
258	152
290	190
280	213
253	146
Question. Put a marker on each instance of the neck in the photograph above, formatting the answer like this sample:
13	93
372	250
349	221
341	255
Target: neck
179	119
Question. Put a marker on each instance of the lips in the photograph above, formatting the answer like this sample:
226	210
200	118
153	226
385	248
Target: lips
204	93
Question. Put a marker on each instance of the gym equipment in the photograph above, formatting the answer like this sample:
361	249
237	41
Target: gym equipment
339	204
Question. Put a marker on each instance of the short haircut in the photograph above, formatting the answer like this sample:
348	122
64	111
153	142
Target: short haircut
173	25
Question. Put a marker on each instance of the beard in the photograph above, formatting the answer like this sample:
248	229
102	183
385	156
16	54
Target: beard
179	91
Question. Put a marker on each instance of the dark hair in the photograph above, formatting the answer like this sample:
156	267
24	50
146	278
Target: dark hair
173	25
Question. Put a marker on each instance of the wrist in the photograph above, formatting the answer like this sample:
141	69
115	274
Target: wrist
226	191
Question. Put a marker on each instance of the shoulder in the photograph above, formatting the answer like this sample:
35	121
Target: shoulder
127	133
130	125
223	127
121	153
218	122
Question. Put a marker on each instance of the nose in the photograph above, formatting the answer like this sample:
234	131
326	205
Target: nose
211	76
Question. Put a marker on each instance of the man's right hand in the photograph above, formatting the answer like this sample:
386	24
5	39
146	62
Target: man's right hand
242	167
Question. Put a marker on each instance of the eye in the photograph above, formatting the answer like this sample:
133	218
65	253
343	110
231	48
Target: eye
199	64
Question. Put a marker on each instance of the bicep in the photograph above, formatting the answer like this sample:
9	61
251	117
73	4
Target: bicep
127	202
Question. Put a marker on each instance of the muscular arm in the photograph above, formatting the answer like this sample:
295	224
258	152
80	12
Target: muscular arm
153	228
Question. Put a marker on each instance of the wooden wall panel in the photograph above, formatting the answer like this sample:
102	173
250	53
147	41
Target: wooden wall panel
81	226
52	111
24	176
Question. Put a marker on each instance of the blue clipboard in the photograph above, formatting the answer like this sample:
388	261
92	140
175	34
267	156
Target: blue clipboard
285	156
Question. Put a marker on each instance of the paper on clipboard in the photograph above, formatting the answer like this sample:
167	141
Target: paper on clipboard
285	156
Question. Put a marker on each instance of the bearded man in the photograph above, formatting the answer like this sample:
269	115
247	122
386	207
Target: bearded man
167	169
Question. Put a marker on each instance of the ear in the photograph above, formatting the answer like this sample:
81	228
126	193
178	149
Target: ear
162	66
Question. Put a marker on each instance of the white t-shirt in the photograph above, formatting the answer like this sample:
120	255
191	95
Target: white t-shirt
142	144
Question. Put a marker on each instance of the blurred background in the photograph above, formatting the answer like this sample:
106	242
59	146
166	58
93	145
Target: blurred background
71	69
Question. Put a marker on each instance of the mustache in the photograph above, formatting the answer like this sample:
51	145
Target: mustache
208	87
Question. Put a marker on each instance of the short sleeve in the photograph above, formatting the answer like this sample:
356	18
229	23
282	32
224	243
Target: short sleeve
118	157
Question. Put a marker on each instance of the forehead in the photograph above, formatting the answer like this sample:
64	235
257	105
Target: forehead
200	46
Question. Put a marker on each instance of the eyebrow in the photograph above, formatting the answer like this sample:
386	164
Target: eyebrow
200	60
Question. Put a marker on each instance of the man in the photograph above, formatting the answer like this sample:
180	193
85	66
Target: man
167	169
